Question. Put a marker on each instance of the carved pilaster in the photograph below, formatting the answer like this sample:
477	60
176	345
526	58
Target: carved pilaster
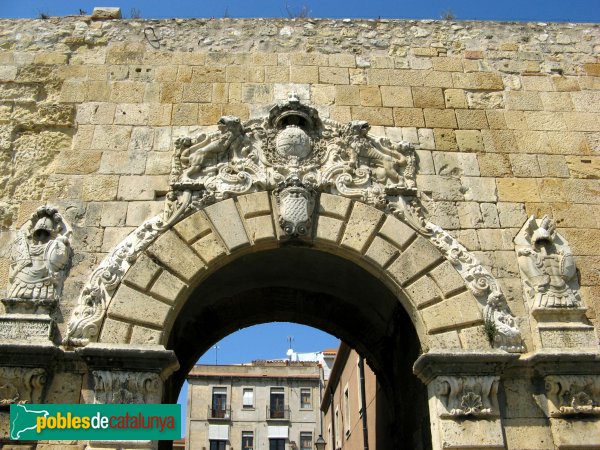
468	396
21	385
126	387
570	395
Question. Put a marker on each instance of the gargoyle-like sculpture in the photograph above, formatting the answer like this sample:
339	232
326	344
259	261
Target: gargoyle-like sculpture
385	157
230	139
40	258
547	266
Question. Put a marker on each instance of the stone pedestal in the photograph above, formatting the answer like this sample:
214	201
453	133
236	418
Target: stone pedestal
27	320
564	328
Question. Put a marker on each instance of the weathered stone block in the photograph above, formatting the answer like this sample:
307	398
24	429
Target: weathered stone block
455	164
478	80
361	225
209	248
72	162
260	228
168	287
397	232
334	206
226	220
397	96
144	336
254	204
409	117
469	140
328	229
176	255
115	331
100	187
423	291
333	75
142	273
193	227
142	188
517	190
439	118
428	97
381	251
418	256
128	303
448	279
452	313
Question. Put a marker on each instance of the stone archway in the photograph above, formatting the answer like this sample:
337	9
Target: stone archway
177	283
298	188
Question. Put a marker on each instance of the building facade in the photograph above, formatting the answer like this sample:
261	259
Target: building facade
266	405
353	406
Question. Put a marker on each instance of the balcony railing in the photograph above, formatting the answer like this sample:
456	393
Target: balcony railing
278	413
219	413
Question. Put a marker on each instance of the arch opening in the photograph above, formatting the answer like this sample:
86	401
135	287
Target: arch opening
302	285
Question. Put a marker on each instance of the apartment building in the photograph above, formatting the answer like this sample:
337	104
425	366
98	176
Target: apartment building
263	405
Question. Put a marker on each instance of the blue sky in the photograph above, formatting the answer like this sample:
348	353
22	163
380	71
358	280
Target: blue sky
519	10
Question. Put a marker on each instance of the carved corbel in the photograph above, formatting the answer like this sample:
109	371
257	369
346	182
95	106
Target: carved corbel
572	395
468	397
21	385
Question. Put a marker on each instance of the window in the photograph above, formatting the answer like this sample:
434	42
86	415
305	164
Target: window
360	386
346	411
247	440
338	442
305	398
277	406
306	441
248	398
218	445
219	402
276	444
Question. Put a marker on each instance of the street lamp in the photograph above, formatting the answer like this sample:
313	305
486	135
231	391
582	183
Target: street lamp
320	443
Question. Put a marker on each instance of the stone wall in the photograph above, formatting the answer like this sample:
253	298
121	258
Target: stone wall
505	116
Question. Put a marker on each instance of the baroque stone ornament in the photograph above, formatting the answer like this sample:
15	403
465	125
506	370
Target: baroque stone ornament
573	395
293	146
40	260
124	387
21	385
500	325
296	203
470	396
95	296
547	266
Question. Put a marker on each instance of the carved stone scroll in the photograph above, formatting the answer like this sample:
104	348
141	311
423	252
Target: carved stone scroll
469	396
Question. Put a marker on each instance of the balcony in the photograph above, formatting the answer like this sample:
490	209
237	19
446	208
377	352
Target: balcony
279	413
219	413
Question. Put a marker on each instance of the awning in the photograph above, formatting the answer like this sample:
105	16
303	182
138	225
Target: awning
218	432
278	432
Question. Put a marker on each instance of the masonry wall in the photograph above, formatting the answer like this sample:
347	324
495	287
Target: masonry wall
505	116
